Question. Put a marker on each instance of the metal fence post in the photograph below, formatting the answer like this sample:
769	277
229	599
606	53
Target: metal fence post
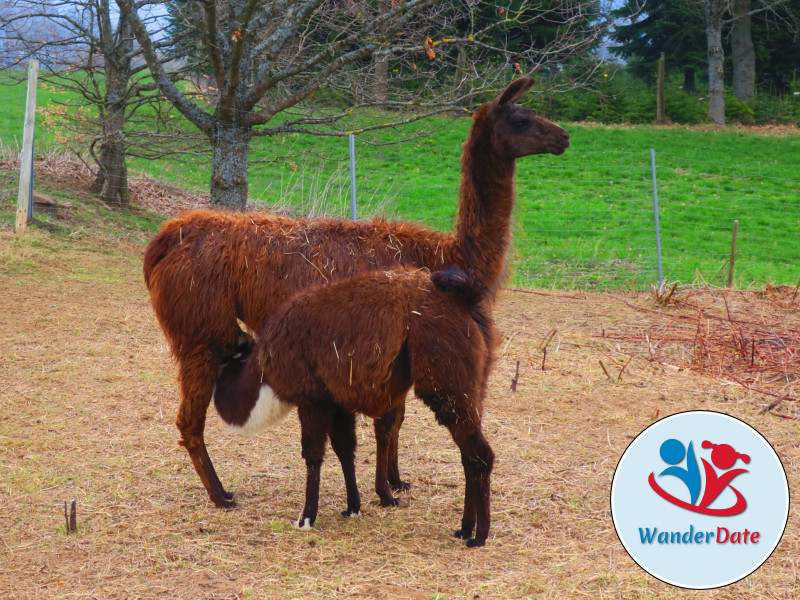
733	253
352	139
655	212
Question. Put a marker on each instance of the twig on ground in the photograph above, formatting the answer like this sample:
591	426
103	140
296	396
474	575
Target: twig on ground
625	366
515	379
606	371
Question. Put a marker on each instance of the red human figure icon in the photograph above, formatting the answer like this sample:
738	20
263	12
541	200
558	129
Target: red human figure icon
724	457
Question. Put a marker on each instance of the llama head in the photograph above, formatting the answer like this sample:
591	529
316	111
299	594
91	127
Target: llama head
517	131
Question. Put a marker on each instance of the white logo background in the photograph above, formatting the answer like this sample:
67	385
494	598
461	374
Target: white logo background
635	506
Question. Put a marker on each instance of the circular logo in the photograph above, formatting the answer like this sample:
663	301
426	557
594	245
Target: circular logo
699	499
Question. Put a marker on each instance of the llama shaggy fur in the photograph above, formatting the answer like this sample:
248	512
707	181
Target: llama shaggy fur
357	346
205	269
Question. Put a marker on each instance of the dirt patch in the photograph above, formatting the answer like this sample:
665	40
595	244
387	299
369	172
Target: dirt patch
749	338
766	129
88	404
68	173
165	199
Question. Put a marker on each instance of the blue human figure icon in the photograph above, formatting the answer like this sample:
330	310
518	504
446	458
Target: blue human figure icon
672	453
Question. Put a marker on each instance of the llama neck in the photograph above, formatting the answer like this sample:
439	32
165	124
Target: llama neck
486	199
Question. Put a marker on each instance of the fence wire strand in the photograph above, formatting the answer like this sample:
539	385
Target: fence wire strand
596	232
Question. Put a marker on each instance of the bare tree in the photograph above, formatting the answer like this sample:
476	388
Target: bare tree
15	33
87	47
743	52
267	62
714	12
719	14
782	15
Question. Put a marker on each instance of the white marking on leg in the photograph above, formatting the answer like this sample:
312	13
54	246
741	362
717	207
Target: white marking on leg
306	526
268	410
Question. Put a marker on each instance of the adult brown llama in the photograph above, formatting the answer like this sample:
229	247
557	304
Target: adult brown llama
205	269
359	345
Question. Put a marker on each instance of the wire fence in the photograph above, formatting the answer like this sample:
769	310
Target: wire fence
582	220
697	226
597	233
602	234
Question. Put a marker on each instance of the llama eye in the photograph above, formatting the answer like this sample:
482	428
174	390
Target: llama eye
520	123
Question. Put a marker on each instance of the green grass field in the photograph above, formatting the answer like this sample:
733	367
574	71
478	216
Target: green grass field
584	219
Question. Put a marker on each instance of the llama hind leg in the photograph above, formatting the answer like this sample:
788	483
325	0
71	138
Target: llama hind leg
463	421
197	375
315	426
477	459
343	442
470	499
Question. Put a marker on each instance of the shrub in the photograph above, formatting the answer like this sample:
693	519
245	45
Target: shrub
736	110
621	98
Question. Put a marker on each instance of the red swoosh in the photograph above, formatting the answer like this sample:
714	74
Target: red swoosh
737	508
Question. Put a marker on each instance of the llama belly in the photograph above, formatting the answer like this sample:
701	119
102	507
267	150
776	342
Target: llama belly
266	412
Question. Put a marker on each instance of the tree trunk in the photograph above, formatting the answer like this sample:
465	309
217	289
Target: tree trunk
380	74
743	52
229	166
111	182
716	74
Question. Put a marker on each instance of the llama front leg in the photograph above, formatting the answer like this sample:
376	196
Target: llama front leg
395	482
315	425
343	442
197	375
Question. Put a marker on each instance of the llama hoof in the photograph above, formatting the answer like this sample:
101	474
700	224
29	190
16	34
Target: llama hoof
304	525
225	502
475	543
350	513
462	534
400	486
392	502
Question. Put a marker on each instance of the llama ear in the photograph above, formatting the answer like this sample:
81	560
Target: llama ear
515	91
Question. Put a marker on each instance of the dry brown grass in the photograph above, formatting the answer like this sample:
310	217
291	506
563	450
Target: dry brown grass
749	338
766	130
87	405
65	171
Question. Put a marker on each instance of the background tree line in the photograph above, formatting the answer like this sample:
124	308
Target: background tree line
760	37
161	76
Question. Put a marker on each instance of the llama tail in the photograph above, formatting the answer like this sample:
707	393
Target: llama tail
468	289
157	249
464	285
